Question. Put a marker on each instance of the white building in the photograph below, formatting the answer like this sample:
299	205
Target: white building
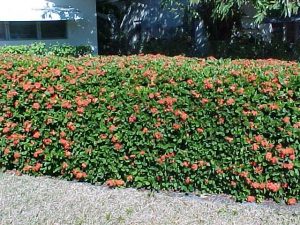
71	22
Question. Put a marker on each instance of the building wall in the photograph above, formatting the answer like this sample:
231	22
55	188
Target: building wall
82	28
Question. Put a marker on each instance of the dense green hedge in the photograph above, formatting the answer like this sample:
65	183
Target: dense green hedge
155	122
41	49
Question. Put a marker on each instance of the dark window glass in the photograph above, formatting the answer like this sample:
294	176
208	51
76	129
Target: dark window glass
2	31
22	30
54	30
291	32
298	31
277	31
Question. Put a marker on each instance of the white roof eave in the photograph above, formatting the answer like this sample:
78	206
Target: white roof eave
25	12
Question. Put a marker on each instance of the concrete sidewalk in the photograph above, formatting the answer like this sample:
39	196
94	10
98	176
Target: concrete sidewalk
29	200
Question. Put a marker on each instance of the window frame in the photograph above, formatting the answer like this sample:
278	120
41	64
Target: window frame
38	30
4	29
286	31
21	39
45	38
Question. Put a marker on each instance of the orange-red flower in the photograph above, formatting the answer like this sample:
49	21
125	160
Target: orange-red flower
80	110
103	136
233	183
288	166
36	106
112	128
114	139
118	146
142	152
66	104
229	139
62	134
176	126
27	168
64	165
200	130
244	174
186	164
188	180
158	135
37	153
132	119
71	126
273	106
129	178
241	91
5	130
255	185
65	143
68	154
287	151
259	170
12	93
274	160
258	138
255	147
37	167
204	101
274	187
292	201
36	134
47	141
292	157
268	156
207	84
79	174
6	151
115	183
27	86
230	101
190	82
27	126
194	167
286	119
151	96
251	199
17	155
154	110
195	94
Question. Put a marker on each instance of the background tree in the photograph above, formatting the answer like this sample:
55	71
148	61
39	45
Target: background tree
224	8
221	15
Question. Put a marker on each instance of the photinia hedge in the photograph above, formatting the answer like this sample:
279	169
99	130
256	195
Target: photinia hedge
182	124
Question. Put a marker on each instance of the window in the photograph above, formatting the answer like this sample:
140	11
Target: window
277	31
297	31
22	30
285	31
53	30
27	30
2	31
291	32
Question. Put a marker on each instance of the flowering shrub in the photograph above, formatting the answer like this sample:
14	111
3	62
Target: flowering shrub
40	49
155	122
